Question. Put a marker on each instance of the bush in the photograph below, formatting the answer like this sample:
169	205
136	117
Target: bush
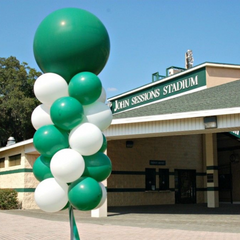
8	199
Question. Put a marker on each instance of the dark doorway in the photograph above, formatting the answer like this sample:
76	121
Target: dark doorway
185	186
225	183
150	179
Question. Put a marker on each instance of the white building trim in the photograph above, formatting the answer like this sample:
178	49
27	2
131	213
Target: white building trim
19	144
193	124
193	114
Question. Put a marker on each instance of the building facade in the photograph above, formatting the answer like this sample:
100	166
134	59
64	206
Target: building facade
181	144
16	163
174	140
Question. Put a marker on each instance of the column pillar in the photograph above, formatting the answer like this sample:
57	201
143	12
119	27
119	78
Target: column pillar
211	170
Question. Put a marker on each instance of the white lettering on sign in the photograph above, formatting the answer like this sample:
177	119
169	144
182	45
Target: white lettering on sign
183	84
155	93
145	96
121	104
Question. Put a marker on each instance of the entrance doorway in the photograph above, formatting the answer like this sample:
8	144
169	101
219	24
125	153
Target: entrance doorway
225	183
185	186
150	179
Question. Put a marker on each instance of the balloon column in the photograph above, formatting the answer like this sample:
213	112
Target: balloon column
71	46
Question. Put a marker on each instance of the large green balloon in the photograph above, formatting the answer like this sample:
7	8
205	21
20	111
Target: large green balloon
49	139
41	168
86	87
97	166
69	41
85	193
66	113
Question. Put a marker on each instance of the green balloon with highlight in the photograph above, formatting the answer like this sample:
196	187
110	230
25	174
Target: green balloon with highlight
86	87
69	41
49	139
85	194
41	168
66	113
97	166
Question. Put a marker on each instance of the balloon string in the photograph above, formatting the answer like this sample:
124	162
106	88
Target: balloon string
73	226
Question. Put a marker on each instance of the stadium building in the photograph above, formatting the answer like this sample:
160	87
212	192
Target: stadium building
172	141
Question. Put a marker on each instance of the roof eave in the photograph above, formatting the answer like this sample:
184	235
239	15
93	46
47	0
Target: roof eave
183	115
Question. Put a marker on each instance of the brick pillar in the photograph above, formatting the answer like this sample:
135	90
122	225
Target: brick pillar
210	143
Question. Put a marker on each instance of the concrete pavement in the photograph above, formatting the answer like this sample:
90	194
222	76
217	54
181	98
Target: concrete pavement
181	222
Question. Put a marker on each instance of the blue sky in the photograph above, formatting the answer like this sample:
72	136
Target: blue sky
147	36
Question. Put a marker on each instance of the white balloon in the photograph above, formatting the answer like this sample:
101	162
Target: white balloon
49	87
51	195
41	116
67	165
99	114
86	138
103	96
104	196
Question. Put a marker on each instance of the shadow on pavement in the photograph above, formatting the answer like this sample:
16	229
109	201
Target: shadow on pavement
178	209
224	208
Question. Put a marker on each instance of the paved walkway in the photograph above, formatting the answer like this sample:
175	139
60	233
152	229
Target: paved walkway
181	222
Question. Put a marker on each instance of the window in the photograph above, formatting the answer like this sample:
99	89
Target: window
163	179
2	162
15	160
150	179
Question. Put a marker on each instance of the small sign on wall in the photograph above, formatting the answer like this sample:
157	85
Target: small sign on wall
210	178
157	162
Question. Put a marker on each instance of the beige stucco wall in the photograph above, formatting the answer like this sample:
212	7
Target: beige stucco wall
19	180
12	152
216	76
29	182
179	152
10	180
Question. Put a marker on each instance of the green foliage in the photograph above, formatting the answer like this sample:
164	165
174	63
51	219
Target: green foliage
17	99
8	199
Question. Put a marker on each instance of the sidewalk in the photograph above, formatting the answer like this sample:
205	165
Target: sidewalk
181	222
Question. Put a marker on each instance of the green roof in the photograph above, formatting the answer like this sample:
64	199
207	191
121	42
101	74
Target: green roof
223	96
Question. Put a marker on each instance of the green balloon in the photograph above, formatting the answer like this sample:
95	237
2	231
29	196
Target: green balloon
49	139
66	206
85	194
97	166
86	87
66	113
69	41
41	168
104	145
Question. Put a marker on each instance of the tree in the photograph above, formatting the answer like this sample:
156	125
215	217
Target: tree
17	99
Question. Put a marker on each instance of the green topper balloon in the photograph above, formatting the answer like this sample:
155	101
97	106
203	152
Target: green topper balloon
49	139
97	166
69	41
66	113
86	87
85	193
41	168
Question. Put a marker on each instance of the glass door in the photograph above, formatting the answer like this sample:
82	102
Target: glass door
185	186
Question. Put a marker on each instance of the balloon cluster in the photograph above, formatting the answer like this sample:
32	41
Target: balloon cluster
71	46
